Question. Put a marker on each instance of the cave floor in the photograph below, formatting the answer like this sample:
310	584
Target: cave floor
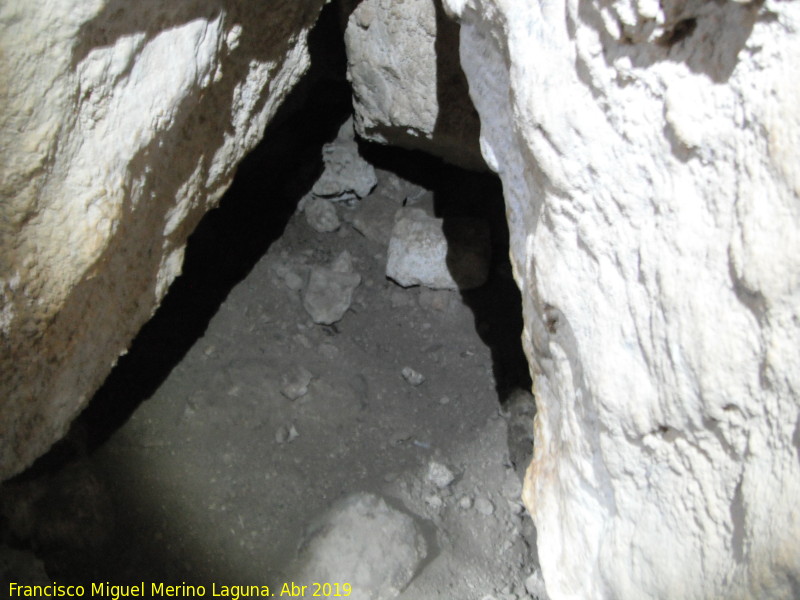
220	478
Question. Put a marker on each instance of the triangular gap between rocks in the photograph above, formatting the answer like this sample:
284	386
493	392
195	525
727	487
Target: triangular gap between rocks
470	205
459	196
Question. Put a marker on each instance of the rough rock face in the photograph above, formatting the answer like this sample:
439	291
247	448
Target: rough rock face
105	105
438	254
365	542
408	87
648	153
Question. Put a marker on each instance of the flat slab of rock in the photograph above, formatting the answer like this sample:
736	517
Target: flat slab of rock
365	542
424	250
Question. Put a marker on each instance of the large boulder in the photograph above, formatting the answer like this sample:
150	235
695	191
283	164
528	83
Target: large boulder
648	152
120	125
408	86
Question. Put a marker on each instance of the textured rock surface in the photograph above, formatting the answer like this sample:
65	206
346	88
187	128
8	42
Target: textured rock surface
347	176
365	542
408	87
329	292
648	153
438	254
105	108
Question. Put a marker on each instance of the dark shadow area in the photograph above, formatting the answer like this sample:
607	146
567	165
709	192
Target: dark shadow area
457	116
496	305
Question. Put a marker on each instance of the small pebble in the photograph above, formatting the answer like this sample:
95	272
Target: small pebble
295	383
293	281
484	506
343	263
440	475
286	434
321	215
465	502
434	501
412	376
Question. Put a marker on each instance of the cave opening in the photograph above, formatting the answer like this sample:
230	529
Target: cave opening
239	435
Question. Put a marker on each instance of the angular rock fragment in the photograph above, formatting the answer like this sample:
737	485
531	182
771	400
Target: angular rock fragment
329	292
374	218
420	101
412	376
346	175
427	251
295	382
365	542
484	506
439	475
321	215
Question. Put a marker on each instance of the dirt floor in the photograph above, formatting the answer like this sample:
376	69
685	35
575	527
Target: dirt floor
240	443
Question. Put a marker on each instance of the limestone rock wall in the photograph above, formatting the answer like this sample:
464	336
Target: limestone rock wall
648	152
120	126
408	86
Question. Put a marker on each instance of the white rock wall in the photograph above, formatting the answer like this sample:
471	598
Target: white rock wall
120	126
408	87
648	152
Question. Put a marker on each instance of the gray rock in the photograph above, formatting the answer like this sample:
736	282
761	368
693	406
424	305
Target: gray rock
484	506
420	101
286	433
412	376
321	215
329	294
343	263
434	501
426	251
346	175
365	542
439	475
374	218
295	382
293	281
